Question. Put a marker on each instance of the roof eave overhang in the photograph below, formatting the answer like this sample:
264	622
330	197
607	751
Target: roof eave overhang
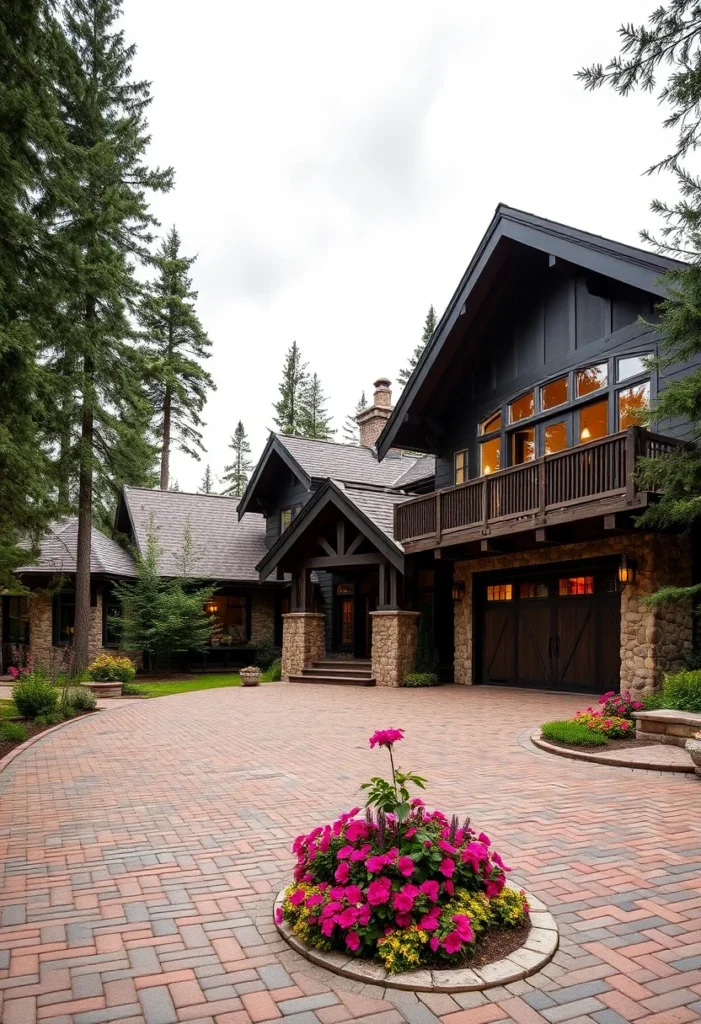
620	262
273	445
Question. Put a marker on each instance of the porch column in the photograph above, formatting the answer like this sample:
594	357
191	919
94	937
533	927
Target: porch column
393	645
303	641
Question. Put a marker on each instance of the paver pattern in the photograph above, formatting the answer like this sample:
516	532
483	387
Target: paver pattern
142	849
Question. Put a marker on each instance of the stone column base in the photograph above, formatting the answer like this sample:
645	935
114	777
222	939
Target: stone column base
303	641
393	646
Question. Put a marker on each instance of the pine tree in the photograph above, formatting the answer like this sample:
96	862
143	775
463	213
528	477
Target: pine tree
351	430
427	334
28	129
207	485
289	410
315	422
670	44
236	475
102	224
173	485
176	344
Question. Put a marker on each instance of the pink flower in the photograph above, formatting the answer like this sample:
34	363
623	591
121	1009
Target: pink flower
386	737
403	902
474	853
342	872
434	944
364	915
379	891
449	888
429	922
409	833
373	865
279	916
427	844
446	847
452	942
345	852
354	894
430	888
356	830
353	941
417	802
482	838
493	887
297	897
362	853
347	918
314	899
463	927
447	867
327	927
405	866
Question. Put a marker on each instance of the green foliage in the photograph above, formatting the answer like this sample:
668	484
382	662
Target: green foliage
12	732
315	422
289	410
35	696
266	653
207	485
272	674
681	691
80	698
426	656
132	690
392	797
52	718
509	908
176	344
421	679
107	667
574	733
653	701
351	430
160	615
236	475
430	325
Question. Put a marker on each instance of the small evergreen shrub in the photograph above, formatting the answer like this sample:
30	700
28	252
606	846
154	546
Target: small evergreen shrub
51	718
34	696
12	732
681	691
426	655
267	654
107	668
131	690
653	701
421	679
273	674
576	733
79	698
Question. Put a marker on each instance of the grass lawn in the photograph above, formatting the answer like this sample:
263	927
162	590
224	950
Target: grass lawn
212	682
7	709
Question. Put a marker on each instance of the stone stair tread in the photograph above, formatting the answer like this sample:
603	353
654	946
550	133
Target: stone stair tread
333	679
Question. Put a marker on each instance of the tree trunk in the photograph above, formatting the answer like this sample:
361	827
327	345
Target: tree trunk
165	450
81	654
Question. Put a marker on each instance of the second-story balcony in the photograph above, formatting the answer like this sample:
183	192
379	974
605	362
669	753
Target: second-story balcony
591	480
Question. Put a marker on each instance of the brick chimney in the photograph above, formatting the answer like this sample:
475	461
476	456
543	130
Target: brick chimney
372	420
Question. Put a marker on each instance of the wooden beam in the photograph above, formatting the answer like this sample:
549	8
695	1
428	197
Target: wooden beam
338	561
355	544
323	543
489	546
610	521
341	537
393	587
543	536
382	597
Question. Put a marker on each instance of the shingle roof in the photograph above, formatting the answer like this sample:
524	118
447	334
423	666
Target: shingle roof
353	464
421	469
58	552
225	548
378	506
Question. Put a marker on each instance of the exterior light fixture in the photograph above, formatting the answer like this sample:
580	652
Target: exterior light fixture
210	607
585	434
458	591
626	570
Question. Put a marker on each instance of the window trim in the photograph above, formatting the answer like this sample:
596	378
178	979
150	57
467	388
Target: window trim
283	511
56	640
464	468
108	599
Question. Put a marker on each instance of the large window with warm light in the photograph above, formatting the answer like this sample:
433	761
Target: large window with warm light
460	467
522	446
232	618
490	456
593	421
554	437
591	379
522	407
490	424
555	393
576	586
633	405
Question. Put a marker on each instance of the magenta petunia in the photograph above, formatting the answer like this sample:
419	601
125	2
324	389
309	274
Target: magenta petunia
379	891
405	866
386	737
314	900
434	943
403	902
356	830
327	927
452	942
463	927
373	865
402	920
364	914
297	897
342	872
482	838
447	867
446	847
345	852
430	888
362	853
410	833
353	941
449	887
279	916
354	894
347	918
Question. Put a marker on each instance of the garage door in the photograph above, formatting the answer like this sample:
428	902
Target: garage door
557	631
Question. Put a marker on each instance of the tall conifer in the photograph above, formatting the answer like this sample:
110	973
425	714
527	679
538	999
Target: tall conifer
351	430
207	485
426	335
315	421
236	475
289	410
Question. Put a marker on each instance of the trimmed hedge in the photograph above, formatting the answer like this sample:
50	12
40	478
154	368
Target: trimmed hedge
572	732
421	679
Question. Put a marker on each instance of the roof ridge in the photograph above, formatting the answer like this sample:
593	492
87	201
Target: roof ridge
189	494
403	453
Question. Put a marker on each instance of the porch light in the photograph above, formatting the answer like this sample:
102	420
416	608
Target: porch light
626	570
458	591
585	434
211	607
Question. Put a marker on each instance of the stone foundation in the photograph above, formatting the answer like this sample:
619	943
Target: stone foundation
393	646
653	640
52	659
262	617
303	641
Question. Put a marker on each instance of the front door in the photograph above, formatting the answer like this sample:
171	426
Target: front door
344	616
557	631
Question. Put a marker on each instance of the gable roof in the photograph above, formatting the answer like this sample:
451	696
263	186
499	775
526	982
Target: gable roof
312	460
635	267
371	511
58	549
225	549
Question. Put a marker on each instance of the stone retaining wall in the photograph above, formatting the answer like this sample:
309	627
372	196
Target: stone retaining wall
303	641
653	640
393	646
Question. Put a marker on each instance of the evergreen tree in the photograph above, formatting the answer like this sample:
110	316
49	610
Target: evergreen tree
351	430
176	344
427	334
207	485
289	410
29	127
236	475
173	485
315	422
670	46
102	224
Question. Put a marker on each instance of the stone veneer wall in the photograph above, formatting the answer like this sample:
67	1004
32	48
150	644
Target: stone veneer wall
393	646
262	617
41	633
653	640
303	641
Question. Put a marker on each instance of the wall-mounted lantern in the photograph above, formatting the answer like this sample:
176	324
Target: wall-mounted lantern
211	607
626	570
458	590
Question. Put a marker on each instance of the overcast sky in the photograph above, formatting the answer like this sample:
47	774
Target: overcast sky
336	166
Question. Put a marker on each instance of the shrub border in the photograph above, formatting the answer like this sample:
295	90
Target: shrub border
585	755
538	949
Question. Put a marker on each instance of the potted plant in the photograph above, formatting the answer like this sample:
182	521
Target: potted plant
694	747
250	676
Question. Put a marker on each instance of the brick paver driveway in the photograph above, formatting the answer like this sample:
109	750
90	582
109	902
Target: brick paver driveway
142	849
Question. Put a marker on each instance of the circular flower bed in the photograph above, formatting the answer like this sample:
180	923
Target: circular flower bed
400	884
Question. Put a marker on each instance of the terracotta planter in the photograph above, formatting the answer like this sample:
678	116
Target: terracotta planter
105	688
694	748
250	676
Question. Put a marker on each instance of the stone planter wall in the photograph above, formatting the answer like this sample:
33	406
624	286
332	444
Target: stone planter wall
303	641
675	727
653	640
393	646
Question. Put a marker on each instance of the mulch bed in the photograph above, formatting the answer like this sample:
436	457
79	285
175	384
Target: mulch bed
495	944
598	748
32	730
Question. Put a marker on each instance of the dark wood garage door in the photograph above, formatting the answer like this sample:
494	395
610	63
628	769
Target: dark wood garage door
558	631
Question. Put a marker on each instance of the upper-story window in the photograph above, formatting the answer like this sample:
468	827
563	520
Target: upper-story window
591	379
493	423
593	421
554	393
285	518
490	456
460	467
633	404
523	407
631	366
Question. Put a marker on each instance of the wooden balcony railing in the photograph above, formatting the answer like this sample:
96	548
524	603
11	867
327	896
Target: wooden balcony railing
588	473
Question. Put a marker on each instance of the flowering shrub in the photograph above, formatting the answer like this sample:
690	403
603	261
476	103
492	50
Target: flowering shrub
406	885
619	705
608	725
107	668
22	662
